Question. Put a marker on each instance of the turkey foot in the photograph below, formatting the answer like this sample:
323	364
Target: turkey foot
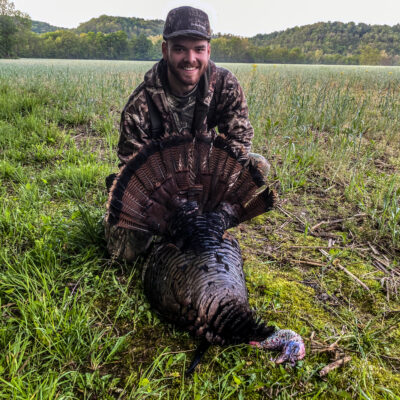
288	342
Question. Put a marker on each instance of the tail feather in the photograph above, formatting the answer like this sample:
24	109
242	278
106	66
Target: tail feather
202	170
156	167
194	193
218	183
177	163
258	205
242	190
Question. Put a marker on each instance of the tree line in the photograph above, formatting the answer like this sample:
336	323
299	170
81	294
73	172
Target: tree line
91	45
137	39
227	48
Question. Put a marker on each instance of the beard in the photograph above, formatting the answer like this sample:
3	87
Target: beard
183	79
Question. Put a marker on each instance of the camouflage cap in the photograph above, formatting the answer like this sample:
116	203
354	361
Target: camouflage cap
187	21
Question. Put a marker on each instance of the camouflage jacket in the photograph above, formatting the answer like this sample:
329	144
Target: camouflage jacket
220	103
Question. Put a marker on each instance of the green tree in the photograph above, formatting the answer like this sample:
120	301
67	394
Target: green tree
14	27
155	53
7	32
370	55
295	55
88	41
67	44
318	55
232	48
140	48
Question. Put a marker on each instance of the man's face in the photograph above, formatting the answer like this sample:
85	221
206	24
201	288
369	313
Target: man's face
187	59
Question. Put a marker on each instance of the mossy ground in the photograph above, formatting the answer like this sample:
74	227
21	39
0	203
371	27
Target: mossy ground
76	325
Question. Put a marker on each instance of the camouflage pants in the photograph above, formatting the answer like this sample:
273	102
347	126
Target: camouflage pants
260	163
126	244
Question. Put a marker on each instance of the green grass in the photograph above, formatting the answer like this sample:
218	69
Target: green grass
74	325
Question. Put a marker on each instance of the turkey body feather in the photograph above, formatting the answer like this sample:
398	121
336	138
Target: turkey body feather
203	292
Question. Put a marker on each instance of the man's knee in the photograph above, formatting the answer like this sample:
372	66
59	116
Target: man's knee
126	244
260	163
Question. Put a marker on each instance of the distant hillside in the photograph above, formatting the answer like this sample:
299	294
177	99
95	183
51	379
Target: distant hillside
327	37
334	38
43	27
139	39
131	26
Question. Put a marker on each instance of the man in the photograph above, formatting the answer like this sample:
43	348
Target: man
184	92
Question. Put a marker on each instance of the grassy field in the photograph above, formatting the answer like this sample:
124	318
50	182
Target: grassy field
325	262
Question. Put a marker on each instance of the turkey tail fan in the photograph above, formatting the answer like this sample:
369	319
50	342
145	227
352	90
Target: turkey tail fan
152	186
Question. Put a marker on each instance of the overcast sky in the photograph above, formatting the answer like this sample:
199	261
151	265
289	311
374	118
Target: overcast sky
240	17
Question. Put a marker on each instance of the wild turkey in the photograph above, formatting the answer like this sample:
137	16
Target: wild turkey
189	192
